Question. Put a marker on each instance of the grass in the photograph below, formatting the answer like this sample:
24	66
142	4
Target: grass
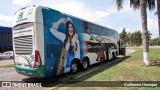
130	69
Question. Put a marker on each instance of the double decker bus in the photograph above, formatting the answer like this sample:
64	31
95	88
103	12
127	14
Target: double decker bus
47	42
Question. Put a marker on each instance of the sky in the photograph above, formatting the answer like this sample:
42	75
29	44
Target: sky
101	12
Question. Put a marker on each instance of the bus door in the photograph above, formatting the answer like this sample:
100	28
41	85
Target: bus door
107	51
122	48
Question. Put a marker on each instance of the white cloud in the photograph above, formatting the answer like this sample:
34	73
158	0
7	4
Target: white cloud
153	27
6	19
152	24
112	10
78	9
126	8
109	26
21	2
101	14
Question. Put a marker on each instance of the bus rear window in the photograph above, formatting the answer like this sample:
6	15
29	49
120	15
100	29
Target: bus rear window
23	26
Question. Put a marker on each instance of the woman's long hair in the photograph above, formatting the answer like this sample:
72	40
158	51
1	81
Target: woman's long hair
68	36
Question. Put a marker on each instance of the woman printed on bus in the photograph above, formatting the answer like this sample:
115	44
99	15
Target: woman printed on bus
69	39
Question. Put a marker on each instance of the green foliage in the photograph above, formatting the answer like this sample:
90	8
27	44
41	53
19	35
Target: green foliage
135	4
124	36
153	42
134	38
137	38
149	35
119	4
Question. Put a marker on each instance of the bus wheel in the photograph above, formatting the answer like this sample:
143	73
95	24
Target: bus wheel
74	67
85	64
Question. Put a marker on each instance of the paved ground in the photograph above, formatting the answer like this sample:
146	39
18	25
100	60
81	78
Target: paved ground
6	62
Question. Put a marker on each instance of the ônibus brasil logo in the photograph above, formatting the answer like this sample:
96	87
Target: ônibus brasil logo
20	15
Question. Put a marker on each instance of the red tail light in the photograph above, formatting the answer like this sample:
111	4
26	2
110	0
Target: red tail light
37	59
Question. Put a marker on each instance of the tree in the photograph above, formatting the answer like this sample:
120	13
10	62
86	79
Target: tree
132	39
137	38
158	13
129	36
142	4
149	35
153	42
123	35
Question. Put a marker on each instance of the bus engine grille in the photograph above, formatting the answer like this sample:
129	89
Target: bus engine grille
23	45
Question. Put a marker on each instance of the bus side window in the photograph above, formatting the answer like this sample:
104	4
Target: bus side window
93	47
86	27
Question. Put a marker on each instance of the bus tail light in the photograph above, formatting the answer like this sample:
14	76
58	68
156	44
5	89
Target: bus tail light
37	59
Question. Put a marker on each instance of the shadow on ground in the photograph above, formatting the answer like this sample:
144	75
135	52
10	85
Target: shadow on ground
81	76
155	63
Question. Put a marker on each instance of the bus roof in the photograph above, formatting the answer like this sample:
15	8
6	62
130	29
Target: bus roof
28	14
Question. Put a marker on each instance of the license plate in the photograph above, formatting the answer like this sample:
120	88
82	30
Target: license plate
23	71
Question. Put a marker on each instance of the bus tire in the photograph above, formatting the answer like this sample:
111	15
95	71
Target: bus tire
74	67
85	64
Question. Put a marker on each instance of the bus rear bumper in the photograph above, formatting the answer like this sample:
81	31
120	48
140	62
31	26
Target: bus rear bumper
31	72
